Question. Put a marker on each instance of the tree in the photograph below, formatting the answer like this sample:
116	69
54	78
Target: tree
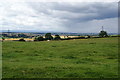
57	37
40	38
48	36
103	34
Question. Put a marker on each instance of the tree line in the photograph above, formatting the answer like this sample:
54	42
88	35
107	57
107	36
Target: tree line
48	36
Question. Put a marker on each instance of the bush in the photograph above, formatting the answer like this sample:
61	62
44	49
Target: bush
21	40
48	36
57	37
39	38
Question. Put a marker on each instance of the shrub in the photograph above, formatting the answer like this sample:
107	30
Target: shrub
21	40
40	38
48	36
57	37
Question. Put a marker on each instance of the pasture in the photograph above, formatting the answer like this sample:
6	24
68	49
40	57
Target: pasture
81	58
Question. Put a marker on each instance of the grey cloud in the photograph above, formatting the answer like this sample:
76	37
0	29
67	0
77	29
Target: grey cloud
74	11
74	16
61	16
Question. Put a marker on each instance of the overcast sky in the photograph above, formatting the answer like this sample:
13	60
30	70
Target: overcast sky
80	17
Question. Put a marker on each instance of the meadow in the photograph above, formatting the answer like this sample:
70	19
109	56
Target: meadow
80	58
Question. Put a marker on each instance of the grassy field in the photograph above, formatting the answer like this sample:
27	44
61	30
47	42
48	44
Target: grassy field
85	58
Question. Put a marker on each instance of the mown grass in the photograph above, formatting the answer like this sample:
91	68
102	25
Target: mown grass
85	58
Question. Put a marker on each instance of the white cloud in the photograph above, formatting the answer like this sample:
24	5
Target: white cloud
62	17
61	0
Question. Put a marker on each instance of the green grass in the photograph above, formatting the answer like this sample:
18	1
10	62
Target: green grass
90	58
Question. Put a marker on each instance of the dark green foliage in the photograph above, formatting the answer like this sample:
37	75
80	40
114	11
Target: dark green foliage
57	37
103	34
4	35
21	40
48	36
12	35
15	36
22	35
40	38
3	38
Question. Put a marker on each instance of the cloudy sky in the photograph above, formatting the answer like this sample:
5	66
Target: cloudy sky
80	17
